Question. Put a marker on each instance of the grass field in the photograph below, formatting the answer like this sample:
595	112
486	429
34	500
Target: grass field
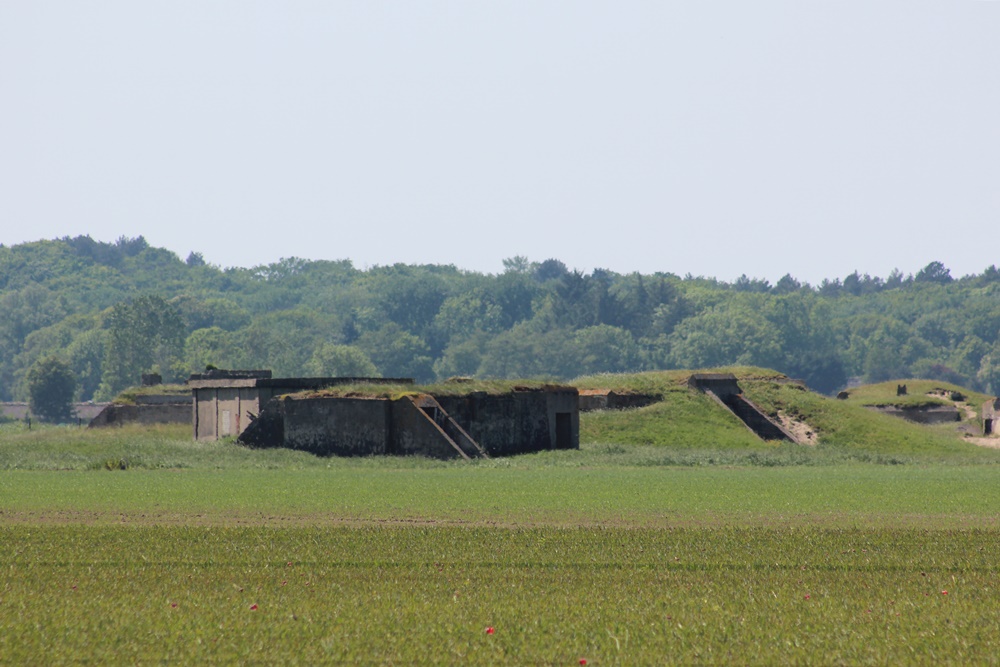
878	545
420	594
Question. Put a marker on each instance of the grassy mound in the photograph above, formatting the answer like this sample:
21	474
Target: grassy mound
919	393
685	418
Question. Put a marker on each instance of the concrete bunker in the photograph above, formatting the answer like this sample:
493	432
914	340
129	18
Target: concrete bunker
725	389
151	403
474	424
225	402
921	414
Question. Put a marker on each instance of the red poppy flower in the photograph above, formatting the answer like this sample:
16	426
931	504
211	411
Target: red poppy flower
944	592
490	630
807	597
253	607
583	661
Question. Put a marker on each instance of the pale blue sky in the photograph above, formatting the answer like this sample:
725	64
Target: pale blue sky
710	137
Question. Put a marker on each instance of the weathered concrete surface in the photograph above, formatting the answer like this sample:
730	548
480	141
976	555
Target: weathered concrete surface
720	384
990	411
447	434
440	427
415	432
166	413
520	421
338	426
225	402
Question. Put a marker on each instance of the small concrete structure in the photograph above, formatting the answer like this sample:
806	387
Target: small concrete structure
225	402
473	425
991	412
146	409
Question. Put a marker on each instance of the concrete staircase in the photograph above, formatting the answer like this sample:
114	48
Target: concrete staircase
754	417
724	389
450	430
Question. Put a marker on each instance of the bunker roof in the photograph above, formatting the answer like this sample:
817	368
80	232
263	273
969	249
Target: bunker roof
464	387
257	379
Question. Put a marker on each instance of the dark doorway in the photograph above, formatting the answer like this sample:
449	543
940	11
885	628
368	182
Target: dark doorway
564	430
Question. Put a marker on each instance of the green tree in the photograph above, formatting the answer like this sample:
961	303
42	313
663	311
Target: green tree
461	359
86	355
209	346
51	387
332	360
145	334
989	370
398	353
604	349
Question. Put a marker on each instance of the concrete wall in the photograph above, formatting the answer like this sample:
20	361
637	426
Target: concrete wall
517	422
219	412
338	426
721	384
118	415
938	414
416	434
502	425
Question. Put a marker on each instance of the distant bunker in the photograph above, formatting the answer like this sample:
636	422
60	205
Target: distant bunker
226	401
921	414
724	388
473	425
146	410
608	399
295	413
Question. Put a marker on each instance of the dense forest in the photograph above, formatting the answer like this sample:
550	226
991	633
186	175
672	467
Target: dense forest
111	311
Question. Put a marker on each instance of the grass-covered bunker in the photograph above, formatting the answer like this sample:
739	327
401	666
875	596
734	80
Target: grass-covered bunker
421	421
352	417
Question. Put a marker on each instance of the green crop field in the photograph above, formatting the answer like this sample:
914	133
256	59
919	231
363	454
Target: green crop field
879	544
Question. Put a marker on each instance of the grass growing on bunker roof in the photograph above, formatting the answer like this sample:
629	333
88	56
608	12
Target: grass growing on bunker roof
447	388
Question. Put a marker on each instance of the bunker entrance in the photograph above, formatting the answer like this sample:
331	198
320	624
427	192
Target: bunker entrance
564	430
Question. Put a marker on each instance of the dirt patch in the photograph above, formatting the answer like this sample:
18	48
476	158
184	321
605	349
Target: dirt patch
967	410
801	431
990	441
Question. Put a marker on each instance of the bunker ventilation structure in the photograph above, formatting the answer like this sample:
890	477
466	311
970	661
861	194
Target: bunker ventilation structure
723	387
991	412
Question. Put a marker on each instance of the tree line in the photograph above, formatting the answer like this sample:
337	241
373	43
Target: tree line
108	312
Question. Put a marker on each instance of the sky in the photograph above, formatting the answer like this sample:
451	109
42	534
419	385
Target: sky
710	137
